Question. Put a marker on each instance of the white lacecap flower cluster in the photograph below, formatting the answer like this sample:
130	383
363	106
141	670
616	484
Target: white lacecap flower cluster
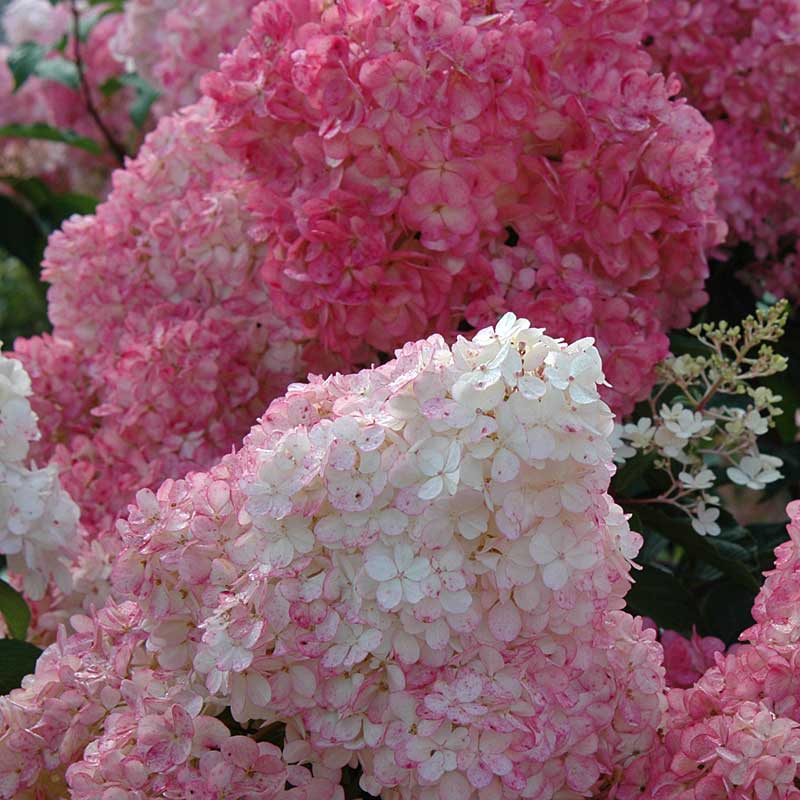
683	435
38	519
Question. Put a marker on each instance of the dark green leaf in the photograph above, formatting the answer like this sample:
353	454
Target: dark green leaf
51	208
111	86
19	233
88	22
14	610
23	60
767	536
61	206
726	611
146	95
23	310
653	548
630	472
785	423
682	343
34	190
658	594
17	659
731	559
60	70
39	130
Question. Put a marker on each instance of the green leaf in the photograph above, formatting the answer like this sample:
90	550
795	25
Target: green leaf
23	60
59	69
88	22
682	343
631	471
61	206
766	537
19	233
34	190
40	130
14	610
658	594
785	423
23	310
146	95
730	558
17	659
86	25
111	86
726	610
51	208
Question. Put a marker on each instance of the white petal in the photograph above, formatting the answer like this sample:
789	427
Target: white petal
390	594
380	567
505	622
542	550
430	461
531	387
575	497
431	489
456	602
555	575
737	476
583	555
403	556
505	466
418	569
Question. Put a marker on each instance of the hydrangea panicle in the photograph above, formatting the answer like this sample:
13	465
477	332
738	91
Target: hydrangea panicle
416	568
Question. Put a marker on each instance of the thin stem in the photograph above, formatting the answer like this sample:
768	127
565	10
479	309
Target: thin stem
116	148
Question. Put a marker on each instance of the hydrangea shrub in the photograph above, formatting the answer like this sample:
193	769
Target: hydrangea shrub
414	579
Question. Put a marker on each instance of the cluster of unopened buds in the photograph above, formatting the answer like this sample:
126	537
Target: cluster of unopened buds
699	430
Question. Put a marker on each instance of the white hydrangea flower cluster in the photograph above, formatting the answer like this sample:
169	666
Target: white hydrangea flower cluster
417	567
38	519
699	429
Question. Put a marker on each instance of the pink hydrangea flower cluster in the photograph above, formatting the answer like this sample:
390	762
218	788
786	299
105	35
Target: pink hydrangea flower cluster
128	399
414	166
686	660
100	678
58	105
736	732
737	61
173	43
416	568
38	520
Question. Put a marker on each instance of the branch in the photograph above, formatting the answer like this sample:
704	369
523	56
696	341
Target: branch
116	148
